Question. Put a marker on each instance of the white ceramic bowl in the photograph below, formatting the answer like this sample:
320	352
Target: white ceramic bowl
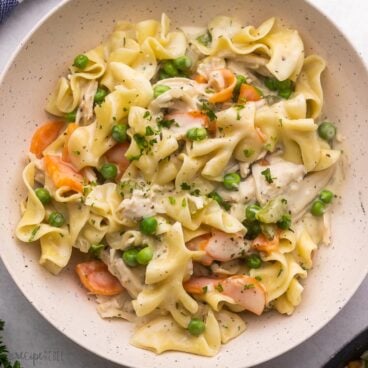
338	271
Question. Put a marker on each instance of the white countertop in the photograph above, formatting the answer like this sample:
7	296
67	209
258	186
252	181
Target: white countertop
36	343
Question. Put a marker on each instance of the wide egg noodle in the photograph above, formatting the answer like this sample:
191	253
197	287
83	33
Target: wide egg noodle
163	334
234	125
164	278
55	242
309	84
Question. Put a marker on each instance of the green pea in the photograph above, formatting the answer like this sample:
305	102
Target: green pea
196	327
130	257
254	261
119	133
253	229
43	195
326	196
96	249
109	171
169	68
71	116
162	75
182	63
205	39
318	208
145	255
271	83
231	181
327	131
100	95
284	88
251	212
148	225
159	90
56	219
81	61
285	222
197	134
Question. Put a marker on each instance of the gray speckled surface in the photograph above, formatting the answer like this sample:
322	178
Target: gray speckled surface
37	343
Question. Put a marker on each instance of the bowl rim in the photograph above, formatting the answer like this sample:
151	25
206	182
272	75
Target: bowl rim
43	313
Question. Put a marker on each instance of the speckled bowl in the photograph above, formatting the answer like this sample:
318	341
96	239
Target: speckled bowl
80	24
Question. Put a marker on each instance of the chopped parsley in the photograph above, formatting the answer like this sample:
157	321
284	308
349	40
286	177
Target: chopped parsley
143	144
185	186
195	192
149	131
238	109
147	115
219	288
208	110
217	197
164	123
248	152
267	175
184	203
209	90
205	289
248	286
33	233
172	200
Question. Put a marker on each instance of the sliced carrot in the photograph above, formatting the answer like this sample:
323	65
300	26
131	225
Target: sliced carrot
189	118
246	291
219	246
69	130
96	278
262	244
200	78
200	243
229	81
198	285
248	93
44	136
62	173
116	155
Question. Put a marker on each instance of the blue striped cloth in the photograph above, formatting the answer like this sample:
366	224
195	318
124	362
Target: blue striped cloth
6	6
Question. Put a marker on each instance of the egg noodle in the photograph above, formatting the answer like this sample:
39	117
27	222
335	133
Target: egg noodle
189	168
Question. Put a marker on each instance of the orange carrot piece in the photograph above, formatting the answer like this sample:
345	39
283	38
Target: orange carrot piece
44	136
248	93
246	291
62	173
262	244
96	278
186	118
116	155
197	285
200	243
226	93
69	130
200	78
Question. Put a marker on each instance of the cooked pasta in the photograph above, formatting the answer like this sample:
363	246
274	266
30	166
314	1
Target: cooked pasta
192	170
